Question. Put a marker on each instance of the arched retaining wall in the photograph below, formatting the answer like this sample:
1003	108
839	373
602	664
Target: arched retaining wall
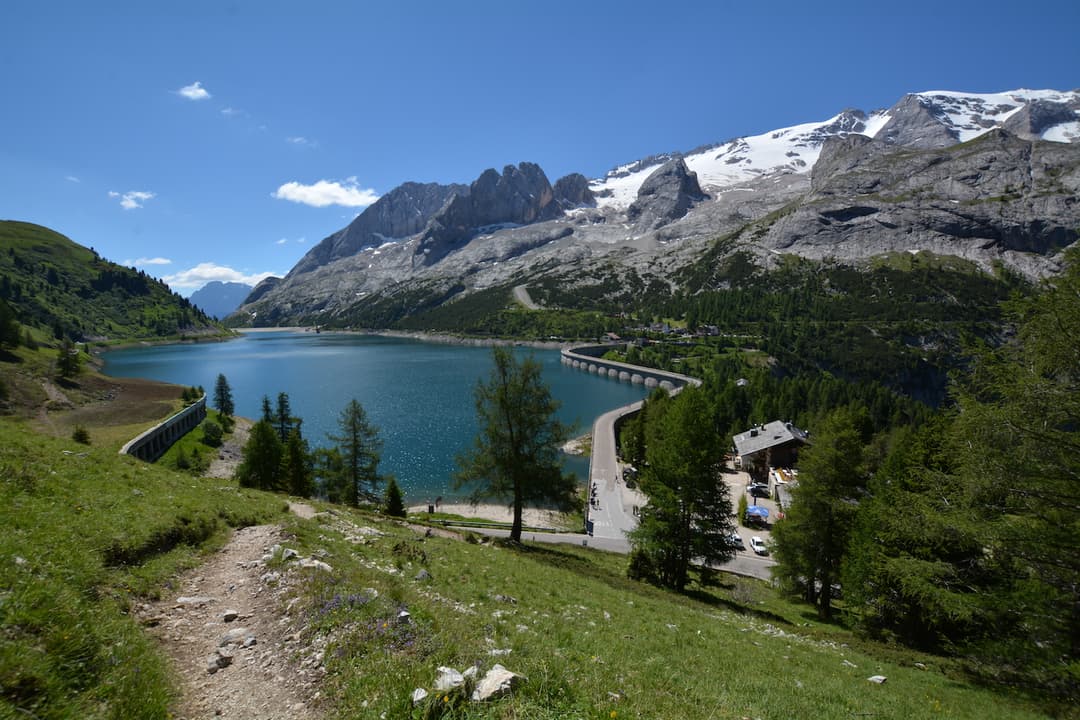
590	358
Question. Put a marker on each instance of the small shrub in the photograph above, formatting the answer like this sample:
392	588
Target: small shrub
742	509
641	566
395	503
212	433
81	435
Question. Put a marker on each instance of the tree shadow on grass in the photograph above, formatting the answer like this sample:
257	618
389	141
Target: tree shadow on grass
553	556
9	357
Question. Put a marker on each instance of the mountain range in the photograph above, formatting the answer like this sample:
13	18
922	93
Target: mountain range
218	299
992	178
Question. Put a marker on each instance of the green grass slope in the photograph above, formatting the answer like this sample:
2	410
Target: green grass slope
63	288
89	534
86	533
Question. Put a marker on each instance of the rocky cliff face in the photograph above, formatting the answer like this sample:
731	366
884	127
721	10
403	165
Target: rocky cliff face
521	195
402	212
998	196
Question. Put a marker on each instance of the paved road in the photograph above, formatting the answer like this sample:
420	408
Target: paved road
746	563
613	513
521	294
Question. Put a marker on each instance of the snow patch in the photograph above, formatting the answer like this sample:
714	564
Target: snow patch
1064	133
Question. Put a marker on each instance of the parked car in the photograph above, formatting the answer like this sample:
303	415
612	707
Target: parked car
759	490
735	540
758	546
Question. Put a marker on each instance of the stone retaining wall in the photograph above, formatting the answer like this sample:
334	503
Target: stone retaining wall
153	443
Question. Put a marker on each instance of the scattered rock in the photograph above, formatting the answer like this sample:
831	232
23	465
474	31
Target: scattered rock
879	679
249	641
921	666
270	578
289	554
506	599
422	576
230	615
404	617
234	637
218	660
418	696
193	600
447	678
316	564
497	682
848	663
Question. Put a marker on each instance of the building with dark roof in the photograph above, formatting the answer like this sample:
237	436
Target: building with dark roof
767	446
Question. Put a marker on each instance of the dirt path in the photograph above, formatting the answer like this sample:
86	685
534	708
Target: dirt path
231	452
229	633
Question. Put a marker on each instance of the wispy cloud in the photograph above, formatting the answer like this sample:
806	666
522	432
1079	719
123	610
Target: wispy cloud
302	141
286	241
194	278
194	91
72	178
133	198
148	261
282	241
327	192
230	112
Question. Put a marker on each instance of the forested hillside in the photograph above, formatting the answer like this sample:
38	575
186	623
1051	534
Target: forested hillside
65	290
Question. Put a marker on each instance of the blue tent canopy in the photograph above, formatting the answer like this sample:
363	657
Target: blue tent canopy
758	511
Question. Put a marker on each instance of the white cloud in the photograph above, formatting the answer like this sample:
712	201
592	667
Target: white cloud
72	178
133	198
148	261
327	192
282	241
302	141
194	278
231	112
194	91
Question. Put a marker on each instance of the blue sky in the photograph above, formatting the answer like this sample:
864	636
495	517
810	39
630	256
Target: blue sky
222	140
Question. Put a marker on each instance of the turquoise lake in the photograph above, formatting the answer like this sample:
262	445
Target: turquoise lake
420	394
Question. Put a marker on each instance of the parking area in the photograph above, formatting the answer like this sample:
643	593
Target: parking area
738	482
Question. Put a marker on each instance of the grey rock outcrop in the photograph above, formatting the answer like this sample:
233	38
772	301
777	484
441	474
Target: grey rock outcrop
262	289
402	212
666	195
573	191
916	123
1035	118
519	196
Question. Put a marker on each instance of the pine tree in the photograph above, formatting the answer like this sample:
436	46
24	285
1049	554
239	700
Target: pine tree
515	457
68	361
395	503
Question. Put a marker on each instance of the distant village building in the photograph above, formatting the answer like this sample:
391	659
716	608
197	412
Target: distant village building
767	446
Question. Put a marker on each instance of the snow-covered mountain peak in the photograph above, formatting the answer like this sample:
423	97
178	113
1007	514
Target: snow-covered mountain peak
958	117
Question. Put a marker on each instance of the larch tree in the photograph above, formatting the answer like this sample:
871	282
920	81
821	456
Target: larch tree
260	467
360	450
296	466
515	455
687	519
812	539
223	399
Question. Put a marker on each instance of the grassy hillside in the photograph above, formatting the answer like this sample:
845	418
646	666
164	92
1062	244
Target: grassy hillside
89	534
64	289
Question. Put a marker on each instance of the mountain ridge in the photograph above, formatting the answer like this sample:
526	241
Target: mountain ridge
510	227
